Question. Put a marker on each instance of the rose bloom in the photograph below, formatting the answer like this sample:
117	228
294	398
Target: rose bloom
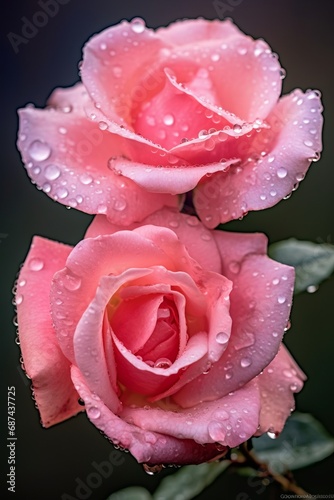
194	106
171	334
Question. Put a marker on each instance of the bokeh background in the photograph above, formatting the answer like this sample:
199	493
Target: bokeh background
301	32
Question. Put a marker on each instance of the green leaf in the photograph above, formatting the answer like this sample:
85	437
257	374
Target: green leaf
131	493
189	481
313	262
302	442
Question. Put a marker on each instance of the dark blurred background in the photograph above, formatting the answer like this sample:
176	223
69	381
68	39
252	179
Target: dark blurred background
301	32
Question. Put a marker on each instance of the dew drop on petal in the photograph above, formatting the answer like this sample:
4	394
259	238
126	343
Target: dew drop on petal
245	362
282	172
39	151
72	282
162	363
138	25
168	120
222	337
52	172
36	264
281	299
152	469
86	179
93	412
18	299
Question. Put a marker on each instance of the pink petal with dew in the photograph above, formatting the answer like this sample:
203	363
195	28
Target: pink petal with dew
260	308
148	447
278	383
197	239
294	142
43	360
112	82
169	180
76	284
245	74
229	421
67	156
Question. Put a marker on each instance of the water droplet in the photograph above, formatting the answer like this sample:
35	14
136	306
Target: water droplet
216	430
93	412
174	223
245	362
152	469
162	363
282	73
312	288
52	172
282	172
103	125
237	128
281	299
294	387
275	281
138	25
61	192
271	158
168	120
120	205
18	299
215	57
272	435
192	221
222	337
205	236
72	282
308	143
36	264
234	267
39	151
102	209
103	46
86	179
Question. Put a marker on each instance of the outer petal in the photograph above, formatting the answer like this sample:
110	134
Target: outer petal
229	421
67	156
44	362
150	447
277	384
171	180
294	141
111	81
260	307
198	240
244	72
90	260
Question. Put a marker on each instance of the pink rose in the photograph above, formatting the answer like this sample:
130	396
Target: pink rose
170	333
195	105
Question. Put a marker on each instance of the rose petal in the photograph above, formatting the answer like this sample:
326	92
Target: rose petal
278	383
294	140
230	420
89	260
191	232
260	303
113	84
44	362
170	180
67	156
245	73
149	447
